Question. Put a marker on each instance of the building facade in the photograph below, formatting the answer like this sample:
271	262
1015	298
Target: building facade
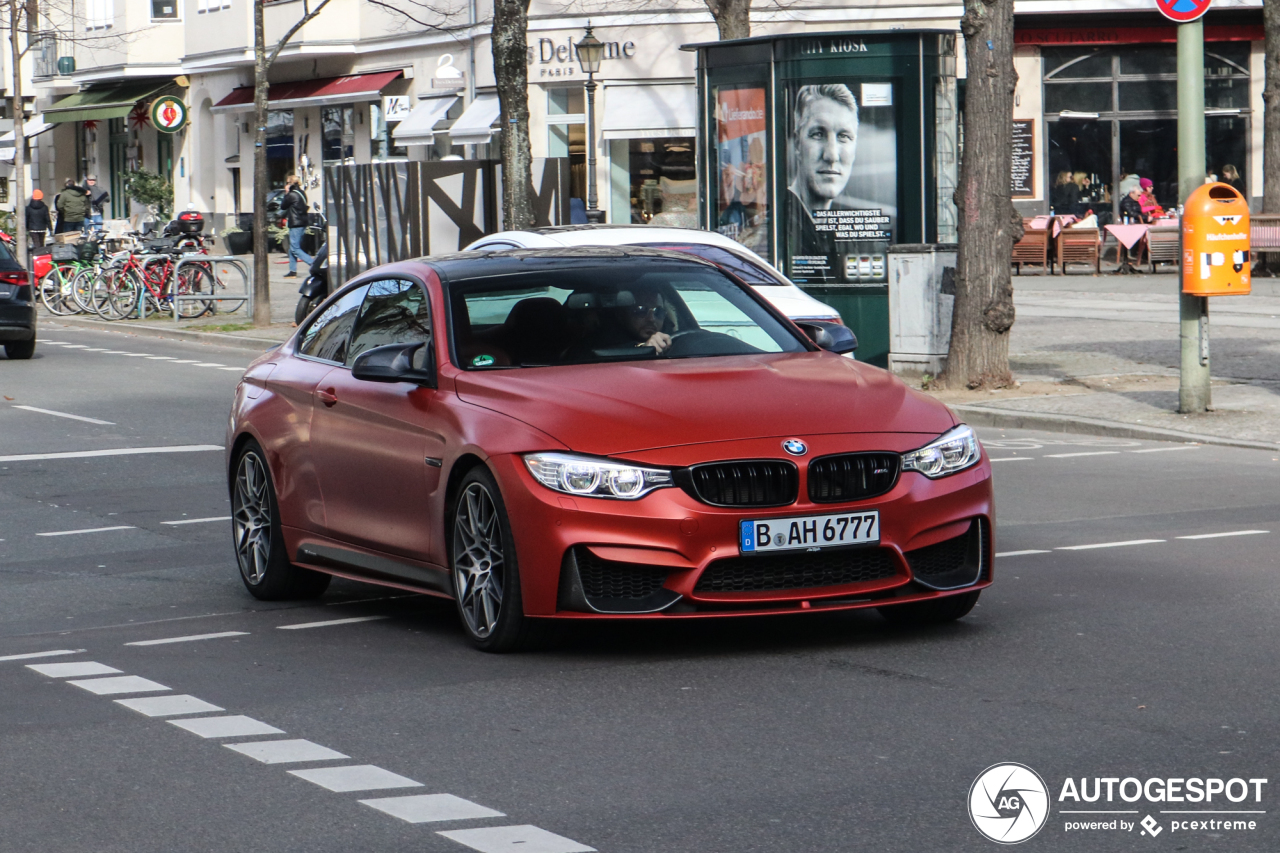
1096	94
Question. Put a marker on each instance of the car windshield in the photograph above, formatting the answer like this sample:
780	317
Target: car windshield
744	268
631	309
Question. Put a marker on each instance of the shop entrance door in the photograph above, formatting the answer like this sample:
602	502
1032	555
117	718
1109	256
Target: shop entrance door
1149	148
1081	145
118	155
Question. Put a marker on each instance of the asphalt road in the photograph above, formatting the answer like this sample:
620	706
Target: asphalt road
1150	657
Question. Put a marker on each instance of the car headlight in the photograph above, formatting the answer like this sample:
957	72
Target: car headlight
954	450
595	478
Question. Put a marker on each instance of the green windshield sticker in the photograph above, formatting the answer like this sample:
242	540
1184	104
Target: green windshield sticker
482	361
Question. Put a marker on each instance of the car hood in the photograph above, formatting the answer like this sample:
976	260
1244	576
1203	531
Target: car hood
618	408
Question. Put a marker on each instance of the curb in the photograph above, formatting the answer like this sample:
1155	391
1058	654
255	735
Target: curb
217	338
1013	419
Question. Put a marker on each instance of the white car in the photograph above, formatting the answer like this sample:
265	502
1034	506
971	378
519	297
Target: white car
717	248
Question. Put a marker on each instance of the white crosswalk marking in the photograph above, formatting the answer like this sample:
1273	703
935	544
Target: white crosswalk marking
429	808
34	655
359	777
234	726
169	706
71	670
119	684
285	751
510	839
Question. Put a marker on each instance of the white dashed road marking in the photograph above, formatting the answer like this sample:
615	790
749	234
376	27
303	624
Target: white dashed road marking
72	670
1020	553
286	751
350	621
235	726
189	638
119	451
88	530
1087	453
34	655
1229	533
160	358
209	364
119	684
359	777
509	839
65	415
1167	449
169	706
1014	459
198	520
428	808
1109	545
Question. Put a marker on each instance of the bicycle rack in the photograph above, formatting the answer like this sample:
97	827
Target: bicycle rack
215	261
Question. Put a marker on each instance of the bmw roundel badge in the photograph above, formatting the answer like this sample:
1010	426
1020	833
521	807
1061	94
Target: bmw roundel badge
795	447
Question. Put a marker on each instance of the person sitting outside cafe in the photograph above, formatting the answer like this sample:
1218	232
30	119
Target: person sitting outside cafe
1131	207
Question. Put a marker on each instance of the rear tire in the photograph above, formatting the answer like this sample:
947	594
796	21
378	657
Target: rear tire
259	541
305	306
20	349
935	612
482	559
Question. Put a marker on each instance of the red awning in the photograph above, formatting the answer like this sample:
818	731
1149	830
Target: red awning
313	93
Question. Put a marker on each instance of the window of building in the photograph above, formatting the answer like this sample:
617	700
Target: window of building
4	190
664	187
567	134
164	10
381	145
1112	112
99	14
338	133
279	147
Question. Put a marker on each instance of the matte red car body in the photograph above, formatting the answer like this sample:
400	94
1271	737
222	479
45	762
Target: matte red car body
354	479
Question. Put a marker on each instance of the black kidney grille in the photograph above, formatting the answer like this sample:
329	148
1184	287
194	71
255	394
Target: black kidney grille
852	477
751	482
607	579
797	571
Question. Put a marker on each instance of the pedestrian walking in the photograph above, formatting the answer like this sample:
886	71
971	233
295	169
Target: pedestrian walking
37	219
73	208
294	207
96	201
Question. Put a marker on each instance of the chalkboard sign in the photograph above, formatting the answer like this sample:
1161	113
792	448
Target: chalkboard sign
1023	179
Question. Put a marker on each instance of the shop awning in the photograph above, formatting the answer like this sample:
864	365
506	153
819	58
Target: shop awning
324	92
7	154
418	128
475	125
650	112
101	104
30	128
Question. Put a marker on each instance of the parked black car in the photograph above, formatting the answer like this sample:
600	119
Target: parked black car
17	306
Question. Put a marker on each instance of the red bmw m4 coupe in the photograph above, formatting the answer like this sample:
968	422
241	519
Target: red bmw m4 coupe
616	433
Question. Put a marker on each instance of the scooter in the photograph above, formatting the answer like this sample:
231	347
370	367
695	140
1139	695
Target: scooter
315	289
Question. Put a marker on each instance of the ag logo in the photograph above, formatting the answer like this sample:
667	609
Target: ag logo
1008	803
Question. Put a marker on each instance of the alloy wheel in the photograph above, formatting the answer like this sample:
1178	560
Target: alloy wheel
478	560
251	518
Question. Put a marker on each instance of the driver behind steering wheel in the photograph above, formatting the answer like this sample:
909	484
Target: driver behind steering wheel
645	319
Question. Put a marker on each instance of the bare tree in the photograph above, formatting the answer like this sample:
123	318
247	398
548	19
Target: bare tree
733	18
1271	113
262	62
510	37
989	223
23	22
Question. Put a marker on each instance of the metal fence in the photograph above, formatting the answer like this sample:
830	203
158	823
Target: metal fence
384	212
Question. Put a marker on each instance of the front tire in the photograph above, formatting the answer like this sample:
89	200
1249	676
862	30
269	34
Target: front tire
305	306
486	577
259	540
935	612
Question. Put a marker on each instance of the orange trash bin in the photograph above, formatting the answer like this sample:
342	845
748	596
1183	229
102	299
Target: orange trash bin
1215	242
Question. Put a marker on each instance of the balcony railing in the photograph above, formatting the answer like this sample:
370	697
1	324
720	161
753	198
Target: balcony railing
45	50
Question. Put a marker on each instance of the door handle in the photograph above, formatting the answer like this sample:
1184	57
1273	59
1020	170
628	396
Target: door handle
327	396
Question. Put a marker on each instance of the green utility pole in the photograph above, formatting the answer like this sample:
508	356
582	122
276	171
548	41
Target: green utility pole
1193	311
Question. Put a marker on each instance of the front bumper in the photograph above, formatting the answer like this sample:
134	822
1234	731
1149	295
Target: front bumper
668	555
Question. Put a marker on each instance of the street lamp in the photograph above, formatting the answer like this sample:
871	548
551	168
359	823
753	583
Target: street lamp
590	53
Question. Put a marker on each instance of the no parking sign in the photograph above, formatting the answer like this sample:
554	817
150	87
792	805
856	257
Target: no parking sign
1182	11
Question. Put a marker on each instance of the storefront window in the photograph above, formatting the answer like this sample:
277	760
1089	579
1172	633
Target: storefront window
567	135
742	166
338	137
279	147
664	188
381	144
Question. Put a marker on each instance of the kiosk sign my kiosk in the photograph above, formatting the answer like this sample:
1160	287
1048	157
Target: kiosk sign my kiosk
819	151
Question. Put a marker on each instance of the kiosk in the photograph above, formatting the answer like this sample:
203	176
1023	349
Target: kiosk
820	150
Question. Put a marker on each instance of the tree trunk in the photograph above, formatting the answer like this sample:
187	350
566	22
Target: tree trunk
733	18
1271	113
261	265
511	70
19	189
989	224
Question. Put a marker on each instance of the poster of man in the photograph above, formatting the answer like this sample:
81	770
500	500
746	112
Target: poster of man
841	216
743	204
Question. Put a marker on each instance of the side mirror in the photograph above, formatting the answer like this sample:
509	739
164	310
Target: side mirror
831	337
397	363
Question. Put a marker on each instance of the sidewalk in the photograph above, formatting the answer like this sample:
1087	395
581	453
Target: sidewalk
1100	355
230	329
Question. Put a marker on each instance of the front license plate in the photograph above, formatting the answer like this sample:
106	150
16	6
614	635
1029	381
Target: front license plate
809	532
